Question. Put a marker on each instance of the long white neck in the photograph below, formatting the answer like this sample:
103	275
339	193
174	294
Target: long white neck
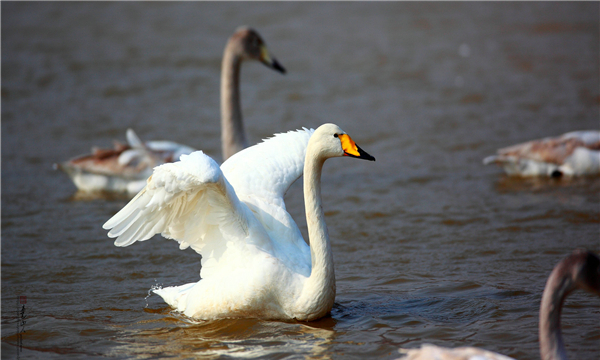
551	344
233	136
318	293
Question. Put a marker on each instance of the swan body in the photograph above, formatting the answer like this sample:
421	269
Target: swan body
432	352
580	270
125	168
255	262
572	154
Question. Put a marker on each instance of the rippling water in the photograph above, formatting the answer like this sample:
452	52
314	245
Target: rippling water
429	245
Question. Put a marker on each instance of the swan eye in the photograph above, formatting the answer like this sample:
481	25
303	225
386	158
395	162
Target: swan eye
335	135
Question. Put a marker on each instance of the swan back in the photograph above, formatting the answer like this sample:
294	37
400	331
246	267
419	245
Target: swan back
432	352
573	153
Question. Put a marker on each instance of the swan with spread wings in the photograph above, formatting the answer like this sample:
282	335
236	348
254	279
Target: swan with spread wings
255	262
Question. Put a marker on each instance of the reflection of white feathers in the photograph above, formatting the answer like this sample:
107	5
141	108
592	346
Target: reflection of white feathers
574	153
239	233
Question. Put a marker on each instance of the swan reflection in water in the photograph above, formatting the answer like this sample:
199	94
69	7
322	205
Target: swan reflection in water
177	336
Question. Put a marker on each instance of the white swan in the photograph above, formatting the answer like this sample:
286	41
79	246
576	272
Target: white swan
580	270
573	153
254	260
125	168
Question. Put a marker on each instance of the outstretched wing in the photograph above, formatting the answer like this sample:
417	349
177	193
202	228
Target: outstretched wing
266	170
189	201
261	175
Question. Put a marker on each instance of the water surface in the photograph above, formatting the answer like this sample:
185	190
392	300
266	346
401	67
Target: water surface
429	244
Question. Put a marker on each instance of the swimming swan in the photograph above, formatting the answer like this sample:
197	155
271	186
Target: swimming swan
573	153
126	167
580	270
255	262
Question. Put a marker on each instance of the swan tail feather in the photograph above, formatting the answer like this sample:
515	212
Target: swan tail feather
175	296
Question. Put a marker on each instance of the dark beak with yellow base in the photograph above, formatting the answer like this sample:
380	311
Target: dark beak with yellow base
353	150
266	59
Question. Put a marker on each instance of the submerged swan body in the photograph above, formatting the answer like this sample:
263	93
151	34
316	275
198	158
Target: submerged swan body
255	262
126	167
580	270
574	153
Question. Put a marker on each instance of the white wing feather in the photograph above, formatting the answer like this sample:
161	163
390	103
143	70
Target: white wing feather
266	170
261	175
186	201
193	201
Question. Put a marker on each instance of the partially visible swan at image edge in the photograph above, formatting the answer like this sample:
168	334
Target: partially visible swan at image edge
571	154
255	262
580	270
125	168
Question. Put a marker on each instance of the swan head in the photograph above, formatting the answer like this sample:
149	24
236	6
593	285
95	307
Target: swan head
583	268
249	45
332	141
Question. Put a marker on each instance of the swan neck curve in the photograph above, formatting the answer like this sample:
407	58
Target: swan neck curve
319	290
557	289
233	136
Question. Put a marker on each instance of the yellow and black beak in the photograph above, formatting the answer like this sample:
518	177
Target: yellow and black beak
266	59
353	150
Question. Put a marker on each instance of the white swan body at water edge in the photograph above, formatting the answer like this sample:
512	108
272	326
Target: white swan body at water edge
571	154
255	262
125	168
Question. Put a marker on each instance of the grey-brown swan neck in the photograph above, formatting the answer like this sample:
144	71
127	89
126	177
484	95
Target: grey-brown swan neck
558	286
233	135
322	278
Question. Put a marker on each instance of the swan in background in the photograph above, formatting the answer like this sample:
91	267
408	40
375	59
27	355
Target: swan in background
125	168
244	44
255	262
573	153
580	270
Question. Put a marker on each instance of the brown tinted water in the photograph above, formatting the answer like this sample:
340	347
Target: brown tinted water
429	244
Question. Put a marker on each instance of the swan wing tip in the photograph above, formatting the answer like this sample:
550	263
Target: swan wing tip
490	159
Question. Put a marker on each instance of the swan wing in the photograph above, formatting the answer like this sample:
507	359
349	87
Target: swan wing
169	151
573	153
155	151
189	201
552	149
428	352
589	138
261	175
267	170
